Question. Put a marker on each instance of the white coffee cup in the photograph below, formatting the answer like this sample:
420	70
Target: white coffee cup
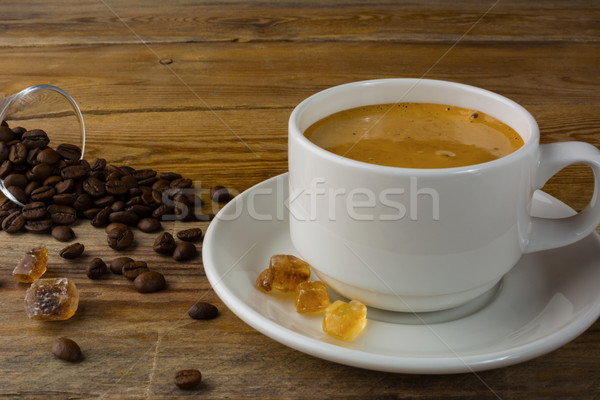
416	240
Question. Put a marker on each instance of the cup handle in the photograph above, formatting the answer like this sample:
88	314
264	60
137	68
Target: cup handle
550	233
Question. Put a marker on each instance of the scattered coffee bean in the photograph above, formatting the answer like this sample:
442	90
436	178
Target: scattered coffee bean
164	244
96	268
72	251
120	238
39	226
220	194
62	215
202	310
35	138
13	223
63	233
149	282
66	349
132	269
149	225
185	251
116	265
188	378
125	217
114	225
34	211
69	151
190	235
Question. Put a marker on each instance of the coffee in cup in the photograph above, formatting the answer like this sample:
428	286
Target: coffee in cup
423	238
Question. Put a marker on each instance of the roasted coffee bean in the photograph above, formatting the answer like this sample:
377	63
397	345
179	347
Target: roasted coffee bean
91	213
93	187
132	269
72	251
181	183
187	378
67	350
140	210
125	217
116	265
18	193
142	174
170	176
62	215
202	310
204	217
220	194
48	156
32	156
96	268
52	180
13	223
161	184
149	282
127	170
149	200
113	169
35	138
100	175
157	196
101	217
63	233
4	149
19	180
69	151
5	169
129	181
64	199
99	164
115	225
190	235
148	182
184	251
31	186
17	153
105	201
120	239
117	206
162	210
18	131
164	244
65	186
40	172
39	226
6	134
34	211
149	225
83	203
43	193
116	187
76	171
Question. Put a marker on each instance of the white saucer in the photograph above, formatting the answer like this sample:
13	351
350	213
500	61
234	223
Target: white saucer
545	301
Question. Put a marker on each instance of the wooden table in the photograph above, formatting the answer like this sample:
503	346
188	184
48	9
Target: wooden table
205	89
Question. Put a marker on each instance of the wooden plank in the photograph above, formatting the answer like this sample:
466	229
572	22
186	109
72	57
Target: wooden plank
86	22
108	79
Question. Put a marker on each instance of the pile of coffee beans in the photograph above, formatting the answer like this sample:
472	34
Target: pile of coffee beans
57	188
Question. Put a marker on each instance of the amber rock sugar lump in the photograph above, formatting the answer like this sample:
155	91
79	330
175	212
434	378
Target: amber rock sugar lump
53	299
311	297
345	321
32	265
285	272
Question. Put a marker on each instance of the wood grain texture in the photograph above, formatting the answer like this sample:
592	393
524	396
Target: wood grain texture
218	114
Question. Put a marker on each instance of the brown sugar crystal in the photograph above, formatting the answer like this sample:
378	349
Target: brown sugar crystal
52	299
32	265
